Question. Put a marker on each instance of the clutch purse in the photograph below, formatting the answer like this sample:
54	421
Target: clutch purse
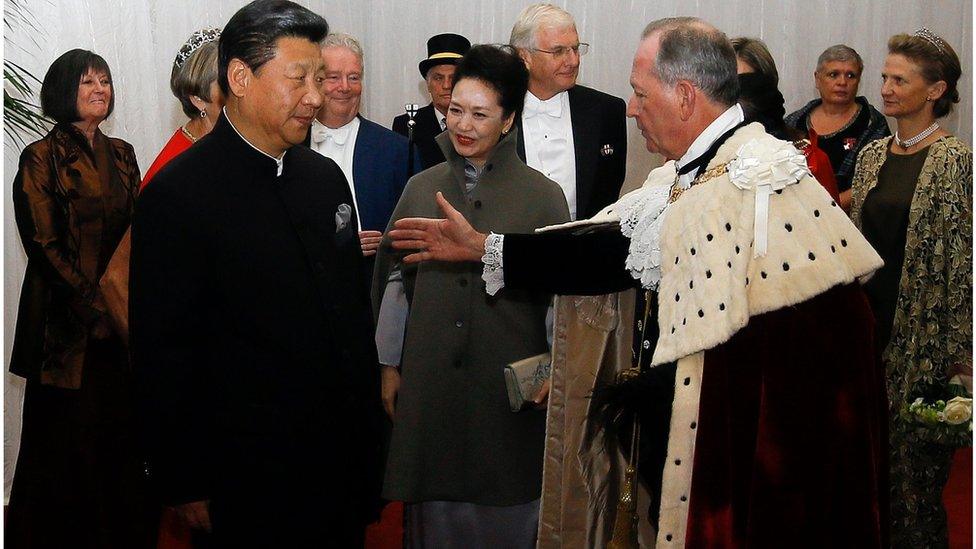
524	378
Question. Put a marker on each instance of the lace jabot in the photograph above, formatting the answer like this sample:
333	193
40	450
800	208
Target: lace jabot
642	213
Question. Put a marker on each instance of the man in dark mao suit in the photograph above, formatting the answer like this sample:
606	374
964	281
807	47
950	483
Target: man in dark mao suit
574	135
251	329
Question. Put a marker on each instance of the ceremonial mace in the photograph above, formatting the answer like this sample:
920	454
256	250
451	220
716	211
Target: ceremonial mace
411	110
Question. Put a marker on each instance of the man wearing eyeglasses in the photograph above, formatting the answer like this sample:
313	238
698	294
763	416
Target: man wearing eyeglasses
574	135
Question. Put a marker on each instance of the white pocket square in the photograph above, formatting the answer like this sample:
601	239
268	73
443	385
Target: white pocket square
342	216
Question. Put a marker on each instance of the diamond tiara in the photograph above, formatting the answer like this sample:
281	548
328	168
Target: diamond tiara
925	34
196	40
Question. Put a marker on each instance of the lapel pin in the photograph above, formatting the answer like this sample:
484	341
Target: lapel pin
607	150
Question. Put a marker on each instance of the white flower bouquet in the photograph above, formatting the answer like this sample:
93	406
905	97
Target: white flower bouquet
947	421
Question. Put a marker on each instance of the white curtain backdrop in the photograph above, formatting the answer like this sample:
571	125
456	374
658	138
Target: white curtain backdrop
140	38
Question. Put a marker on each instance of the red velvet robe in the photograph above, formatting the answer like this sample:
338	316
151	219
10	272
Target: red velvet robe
791	448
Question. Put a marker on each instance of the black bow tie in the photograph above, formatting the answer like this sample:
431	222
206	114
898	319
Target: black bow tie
707	157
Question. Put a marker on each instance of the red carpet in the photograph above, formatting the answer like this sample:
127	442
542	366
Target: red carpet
388	533
958	499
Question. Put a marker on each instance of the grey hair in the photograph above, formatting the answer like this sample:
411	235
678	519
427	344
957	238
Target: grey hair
348	41
693	50
840	52
534	17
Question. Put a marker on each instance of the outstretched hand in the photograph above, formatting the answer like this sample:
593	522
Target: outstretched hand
448	239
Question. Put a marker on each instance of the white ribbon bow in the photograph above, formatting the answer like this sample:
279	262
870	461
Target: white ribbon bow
766	167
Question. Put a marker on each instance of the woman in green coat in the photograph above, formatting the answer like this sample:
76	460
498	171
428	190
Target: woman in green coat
468	468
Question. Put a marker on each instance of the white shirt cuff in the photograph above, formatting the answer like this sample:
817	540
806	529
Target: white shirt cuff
493	275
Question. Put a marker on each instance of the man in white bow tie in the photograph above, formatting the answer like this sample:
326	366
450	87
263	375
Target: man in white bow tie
574	135
373	158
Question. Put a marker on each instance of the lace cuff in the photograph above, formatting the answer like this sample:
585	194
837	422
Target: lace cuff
493	275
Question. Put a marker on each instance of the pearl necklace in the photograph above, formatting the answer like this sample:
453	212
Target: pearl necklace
908	143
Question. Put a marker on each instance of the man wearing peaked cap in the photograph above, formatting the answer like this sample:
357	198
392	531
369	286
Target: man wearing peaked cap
443	53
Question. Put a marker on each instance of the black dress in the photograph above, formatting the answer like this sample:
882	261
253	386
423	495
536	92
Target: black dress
885	226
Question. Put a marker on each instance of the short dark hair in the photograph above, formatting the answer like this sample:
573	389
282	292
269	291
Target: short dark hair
59	90
762	102
252	33
501	69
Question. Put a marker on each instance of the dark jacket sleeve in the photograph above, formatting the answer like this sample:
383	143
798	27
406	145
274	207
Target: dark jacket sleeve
609	190
400	125
166	294
567	264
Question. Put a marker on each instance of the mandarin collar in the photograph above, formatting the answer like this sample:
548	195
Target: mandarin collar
503	153
244	149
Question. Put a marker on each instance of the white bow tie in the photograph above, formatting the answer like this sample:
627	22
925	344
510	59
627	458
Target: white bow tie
535	106
339	135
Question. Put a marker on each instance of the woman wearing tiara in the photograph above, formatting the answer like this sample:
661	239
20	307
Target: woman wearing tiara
194	82
912	197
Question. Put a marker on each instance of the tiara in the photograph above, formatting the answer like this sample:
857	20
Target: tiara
925	34
196	40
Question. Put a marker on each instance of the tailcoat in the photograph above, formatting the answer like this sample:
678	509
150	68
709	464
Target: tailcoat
599	146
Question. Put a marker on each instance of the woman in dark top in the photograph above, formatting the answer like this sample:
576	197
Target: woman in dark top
79	479
840	122
912	199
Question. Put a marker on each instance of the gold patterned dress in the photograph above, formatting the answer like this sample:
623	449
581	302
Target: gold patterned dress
931	331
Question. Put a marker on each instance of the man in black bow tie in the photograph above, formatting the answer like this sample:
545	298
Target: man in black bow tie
252	337
574	135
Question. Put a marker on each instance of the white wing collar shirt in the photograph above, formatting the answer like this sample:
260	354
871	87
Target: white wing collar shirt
549	146
729	119
339	145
